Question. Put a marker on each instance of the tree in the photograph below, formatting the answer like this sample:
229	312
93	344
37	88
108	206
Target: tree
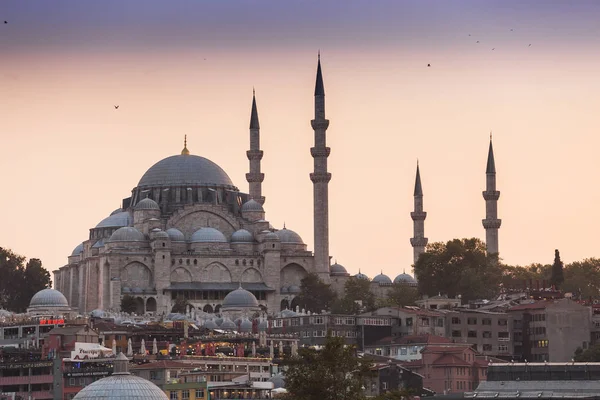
582	278
592	354
333	373
357	297
315	295
557	277
180	306
128	304
516	278
458	267
20	281
401	295
401	394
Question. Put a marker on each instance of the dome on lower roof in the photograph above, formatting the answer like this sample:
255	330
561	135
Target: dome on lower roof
242	236
337	269
361	276
294	289
245	325
161	235
228	325
208	235
127	234
77	250
263	325
211	324
48	298
116	220
404	278
240	298
382	278
183	170
147	204
98	244
278	381
176	235
252	205
288	236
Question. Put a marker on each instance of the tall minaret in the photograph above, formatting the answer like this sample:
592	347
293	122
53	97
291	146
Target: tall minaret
491	223
320	179
418	241
255	154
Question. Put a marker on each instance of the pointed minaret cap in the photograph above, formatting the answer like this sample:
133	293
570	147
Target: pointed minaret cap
319	88
418	187
185	151
491	165
254	115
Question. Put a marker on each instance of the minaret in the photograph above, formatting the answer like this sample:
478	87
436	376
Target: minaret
418	241
491	223
320	178
255	154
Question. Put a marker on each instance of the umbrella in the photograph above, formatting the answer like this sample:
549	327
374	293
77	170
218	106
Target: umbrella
102	343
143	347
154	347
129	348
253	349
114	347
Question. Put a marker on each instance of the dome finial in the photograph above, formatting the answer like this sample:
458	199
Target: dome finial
185	151
283	224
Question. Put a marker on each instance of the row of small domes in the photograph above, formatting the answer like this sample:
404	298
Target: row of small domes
340	270
149	204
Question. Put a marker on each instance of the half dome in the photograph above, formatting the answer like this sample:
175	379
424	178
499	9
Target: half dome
127	234
116	220
48	298
77	250
183	170
208	235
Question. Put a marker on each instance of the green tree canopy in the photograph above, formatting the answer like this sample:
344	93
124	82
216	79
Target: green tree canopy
557	277
333	373
458	267
315	295
19	280
179	306
128	304
356	292
399	295
592	354
517	277
583	278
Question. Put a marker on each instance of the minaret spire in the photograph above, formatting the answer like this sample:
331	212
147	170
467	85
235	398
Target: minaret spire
255	154
418	241
491	223
320	178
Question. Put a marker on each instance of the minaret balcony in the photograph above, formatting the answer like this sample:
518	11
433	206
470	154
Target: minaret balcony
255	177
491	194
254	154
319	124
491	223
320	152
419	241
317	177
418	215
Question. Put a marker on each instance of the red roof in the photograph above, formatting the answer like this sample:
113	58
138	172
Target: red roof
450	348
450	359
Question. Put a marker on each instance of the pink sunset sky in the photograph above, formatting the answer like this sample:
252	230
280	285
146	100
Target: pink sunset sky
179	68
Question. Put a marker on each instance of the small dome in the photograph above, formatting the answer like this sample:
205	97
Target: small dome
246	325
288	313
77	250
147	204
228	325
271	237
161	235
289	236
208	235
404	278
211	324
118	210
116	220
284	289
98	244
361	276
240	298
294	289
263	325
337	269
176	235
242	236
97	313
382	278
127	234
252	205
48	298
4	313
278	381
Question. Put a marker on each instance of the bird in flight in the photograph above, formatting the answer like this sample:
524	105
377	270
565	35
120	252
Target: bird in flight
6	22
511	30
529	45
478	41
429	65
494	48
116	107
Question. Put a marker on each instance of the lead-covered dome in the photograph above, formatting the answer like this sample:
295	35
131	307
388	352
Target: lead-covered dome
242	236
288	236
382	278
252	205
176	235
127	234
404	278
77	250
337	269
240	298
360	275
147	204
48	298
208	235
116	220
183	169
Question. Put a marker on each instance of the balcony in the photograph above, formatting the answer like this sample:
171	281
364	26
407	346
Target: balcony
25	380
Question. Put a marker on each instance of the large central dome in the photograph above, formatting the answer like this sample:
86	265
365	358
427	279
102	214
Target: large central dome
181	170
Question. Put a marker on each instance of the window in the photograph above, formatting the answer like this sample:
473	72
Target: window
71	381
487	347
350	321
403	351
472	334
153	375
199	393
384	385
486	321
173	395
455	320
440	322
504	336
185	394
339	321
319	334
424	321
472	321
295	322
319	320
502	348
409	321
487	335
456	333
502	322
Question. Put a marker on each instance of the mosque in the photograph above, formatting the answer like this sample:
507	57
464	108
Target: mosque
187	232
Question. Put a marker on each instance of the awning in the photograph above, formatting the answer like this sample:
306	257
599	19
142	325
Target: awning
251	286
